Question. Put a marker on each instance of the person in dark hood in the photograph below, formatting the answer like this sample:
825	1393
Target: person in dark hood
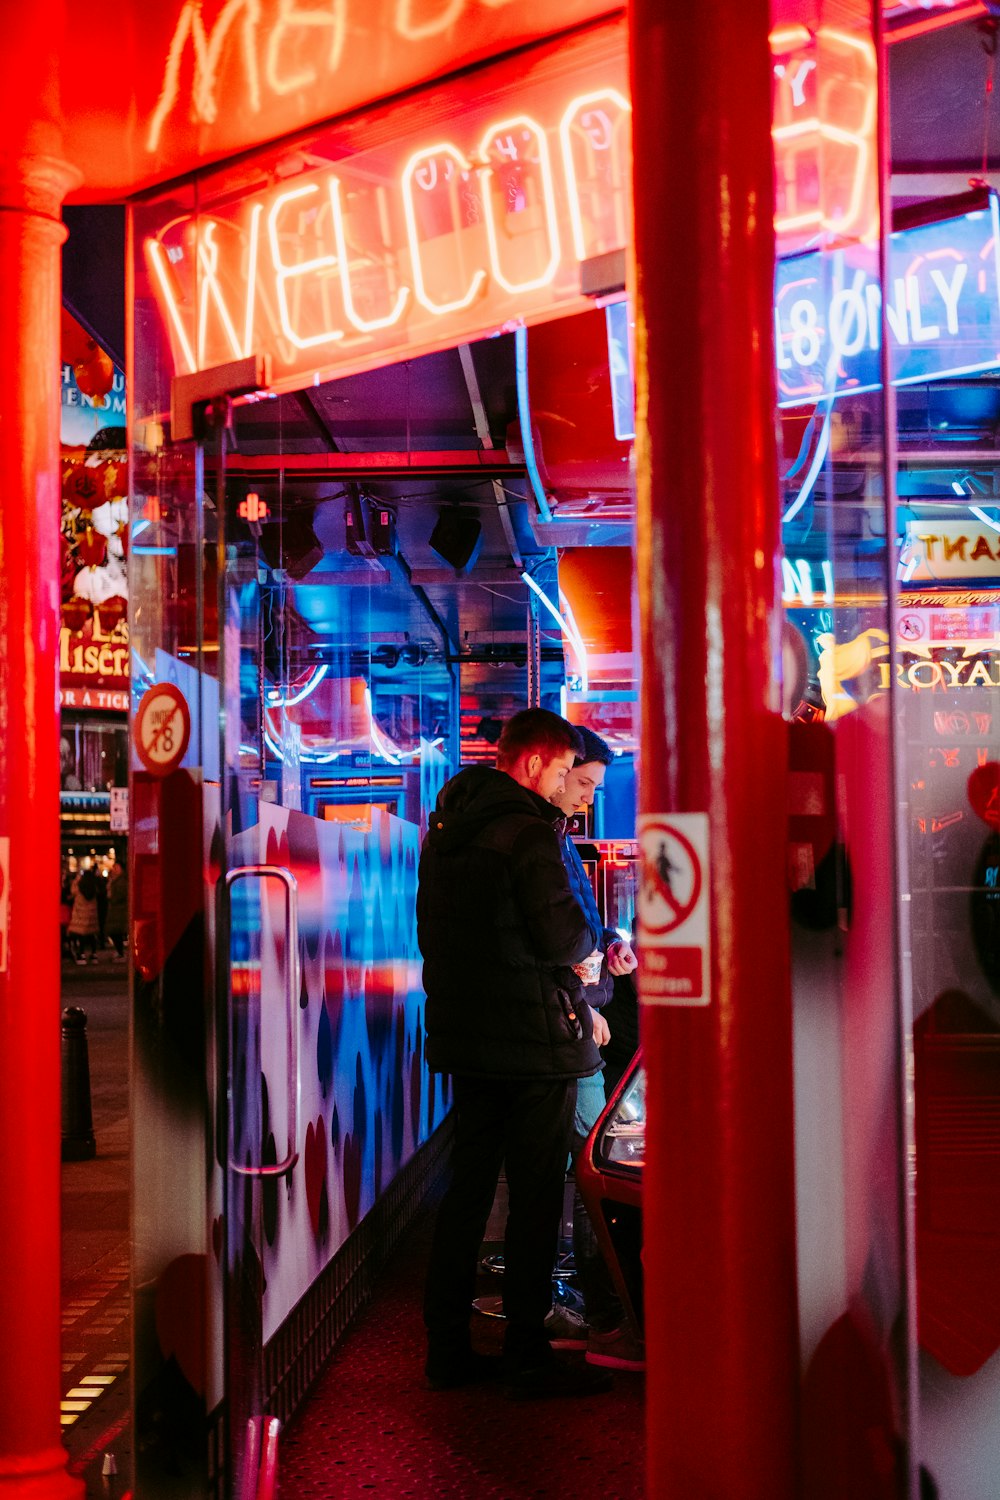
500	930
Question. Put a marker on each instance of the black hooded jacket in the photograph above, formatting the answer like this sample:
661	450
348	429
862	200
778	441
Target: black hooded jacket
499	928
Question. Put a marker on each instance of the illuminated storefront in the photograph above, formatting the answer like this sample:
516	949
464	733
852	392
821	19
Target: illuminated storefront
371	374
93	631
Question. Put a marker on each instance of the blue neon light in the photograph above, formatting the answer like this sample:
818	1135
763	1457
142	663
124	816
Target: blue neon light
943	310
616	316
524	417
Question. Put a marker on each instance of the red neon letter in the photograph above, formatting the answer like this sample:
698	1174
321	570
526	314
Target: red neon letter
425	163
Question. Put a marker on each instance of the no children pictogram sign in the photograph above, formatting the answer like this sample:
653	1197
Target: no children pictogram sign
671	878
672	904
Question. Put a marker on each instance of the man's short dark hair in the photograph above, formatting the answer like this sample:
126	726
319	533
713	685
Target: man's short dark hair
536	731
594	748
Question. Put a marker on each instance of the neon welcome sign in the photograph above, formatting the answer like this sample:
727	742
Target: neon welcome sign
475	214
476	211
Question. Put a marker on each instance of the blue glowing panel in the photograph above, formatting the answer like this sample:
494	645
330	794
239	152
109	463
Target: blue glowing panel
620	365
943	310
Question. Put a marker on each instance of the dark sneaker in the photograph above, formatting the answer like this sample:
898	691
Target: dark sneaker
473	1369
620	1349
565	1329
555	1378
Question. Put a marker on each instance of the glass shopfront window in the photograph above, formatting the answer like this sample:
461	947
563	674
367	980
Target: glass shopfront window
309	573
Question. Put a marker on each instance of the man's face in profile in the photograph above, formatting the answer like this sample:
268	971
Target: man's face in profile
579	787
548	778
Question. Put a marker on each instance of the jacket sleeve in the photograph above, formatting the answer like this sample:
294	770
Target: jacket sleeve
559	931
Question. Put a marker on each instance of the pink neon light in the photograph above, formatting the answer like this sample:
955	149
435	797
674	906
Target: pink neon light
430	155
283	273
290	18
364	325
491	143
574	116
208	50
830	133
208	263
155	256
386	255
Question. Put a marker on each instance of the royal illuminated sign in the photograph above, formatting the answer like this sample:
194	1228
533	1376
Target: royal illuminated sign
475	214
942	310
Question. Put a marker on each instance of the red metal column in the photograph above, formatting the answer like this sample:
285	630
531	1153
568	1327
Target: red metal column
719	1186
32	184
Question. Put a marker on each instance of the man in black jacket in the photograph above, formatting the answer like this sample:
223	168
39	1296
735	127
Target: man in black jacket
500	929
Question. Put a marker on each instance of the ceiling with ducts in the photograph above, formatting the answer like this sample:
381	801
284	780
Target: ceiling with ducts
437	445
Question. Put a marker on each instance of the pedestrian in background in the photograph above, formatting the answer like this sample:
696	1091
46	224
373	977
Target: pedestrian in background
84	923
117	918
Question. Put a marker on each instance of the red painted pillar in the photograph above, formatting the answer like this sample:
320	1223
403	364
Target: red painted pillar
719	1188
33	181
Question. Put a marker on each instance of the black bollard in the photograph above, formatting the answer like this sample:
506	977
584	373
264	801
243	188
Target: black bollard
78	1142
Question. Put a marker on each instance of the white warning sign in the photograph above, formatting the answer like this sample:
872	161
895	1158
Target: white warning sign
672	905
162	728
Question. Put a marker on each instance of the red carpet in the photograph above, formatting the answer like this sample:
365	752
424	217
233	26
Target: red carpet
370	1426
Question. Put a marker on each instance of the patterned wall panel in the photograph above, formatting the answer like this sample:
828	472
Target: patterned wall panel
366	1097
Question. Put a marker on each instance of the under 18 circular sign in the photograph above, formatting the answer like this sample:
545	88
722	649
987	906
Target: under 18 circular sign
162	728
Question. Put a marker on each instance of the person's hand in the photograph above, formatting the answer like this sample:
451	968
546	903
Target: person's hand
602	1031
621	959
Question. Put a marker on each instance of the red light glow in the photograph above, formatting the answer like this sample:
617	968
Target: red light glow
824	135
253	508
444	233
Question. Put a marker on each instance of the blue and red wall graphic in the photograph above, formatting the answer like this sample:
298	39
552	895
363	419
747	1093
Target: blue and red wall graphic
366	1101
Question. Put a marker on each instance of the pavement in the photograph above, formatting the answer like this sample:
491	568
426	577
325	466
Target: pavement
96	1302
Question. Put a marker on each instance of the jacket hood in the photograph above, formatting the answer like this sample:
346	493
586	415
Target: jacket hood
476	797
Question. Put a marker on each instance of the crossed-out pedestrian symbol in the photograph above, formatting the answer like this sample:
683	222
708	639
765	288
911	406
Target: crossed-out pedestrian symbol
671	878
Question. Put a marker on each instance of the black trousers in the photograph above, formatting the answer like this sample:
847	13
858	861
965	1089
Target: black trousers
526	1125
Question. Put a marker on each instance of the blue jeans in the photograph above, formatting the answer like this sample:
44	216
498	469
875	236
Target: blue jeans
590	1102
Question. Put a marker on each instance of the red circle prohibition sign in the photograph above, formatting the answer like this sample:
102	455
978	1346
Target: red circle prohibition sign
655	879
162	728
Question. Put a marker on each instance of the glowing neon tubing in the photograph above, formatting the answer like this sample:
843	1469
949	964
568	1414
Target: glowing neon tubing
311	685
524	418
574	640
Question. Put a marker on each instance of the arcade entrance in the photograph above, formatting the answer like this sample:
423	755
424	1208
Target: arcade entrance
342	591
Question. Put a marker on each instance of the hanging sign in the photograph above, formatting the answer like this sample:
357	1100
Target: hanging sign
942	309
437	222
119	809
672	905
162	728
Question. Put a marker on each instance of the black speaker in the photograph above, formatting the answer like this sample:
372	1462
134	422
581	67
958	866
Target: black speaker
457	537
293	545
383	531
